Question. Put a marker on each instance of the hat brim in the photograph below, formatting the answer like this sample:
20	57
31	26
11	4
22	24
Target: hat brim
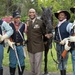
65	12
72	10
17	16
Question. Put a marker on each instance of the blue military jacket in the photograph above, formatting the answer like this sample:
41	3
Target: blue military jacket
16	37
62	32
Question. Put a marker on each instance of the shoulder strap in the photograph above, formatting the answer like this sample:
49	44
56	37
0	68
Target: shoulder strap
20	32
59	33
21	25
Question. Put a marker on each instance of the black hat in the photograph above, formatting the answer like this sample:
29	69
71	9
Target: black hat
16	14
72	9
65	12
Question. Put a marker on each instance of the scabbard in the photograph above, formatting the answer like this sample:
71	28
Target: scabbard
8	50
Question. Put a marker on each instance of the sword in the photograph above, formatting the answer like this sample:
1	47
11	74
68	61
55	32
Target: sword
17	58
23	46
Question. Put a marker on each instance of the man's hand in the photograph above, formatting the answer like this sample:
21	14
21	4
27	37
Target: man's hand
0	38
49	35
72	38
10	43
62	42
67	47
3	37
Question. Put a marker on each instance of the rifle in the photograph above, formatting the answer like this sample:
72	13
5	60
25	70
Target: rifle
65	51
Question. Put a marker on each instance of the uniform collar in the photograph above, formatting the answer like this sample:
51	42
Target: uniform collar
60	22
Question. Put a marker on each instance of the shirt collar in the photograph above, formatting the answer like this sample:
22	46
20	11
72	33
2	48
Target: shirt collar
33	20
60	22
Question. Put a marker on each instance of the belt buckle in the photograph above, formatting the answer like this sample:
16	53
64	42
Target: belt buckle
18	43
23	43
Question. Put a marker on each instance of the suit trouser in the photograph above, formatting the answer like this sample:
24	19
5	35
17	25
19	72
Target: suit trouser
35	62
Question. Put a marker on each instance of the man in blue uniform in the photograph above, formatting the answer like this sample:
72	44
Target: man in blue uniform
18	39
5	32
62	31
72	39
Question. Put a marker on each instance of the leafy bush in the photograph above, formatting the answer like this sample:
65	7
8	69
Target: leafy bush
23	19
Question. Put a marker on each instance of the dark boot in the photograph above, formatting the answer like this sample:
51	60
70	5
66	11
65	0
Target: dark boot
21	73
62	72
12	71
1	71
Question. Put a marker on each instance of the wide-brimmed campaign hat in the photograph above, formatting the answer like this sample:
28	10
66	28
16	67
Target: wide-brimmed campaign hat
16	14
65	12
72	9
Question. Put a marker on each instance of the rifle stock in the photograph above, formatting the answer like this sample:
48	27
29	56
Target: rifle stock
64	53
9	46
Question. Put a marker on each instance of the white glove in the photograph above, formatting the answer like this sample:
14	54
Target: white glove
62	42
3	37
72	38
10	43
67	48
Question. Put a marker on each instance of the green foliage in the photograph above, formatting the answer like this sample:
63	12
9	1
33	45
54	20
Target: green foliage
23	19
72	17
58	5
8	6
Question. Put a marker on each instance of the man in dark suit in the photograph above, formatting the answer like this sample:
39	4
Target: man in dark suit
35	45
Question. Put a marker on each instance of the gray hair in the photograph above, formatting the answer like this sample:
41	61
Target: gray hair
32	10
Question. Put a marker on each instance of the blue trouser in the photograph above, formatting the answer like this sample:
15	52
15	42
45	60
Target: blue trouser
12	57
73	60
62	62
1	55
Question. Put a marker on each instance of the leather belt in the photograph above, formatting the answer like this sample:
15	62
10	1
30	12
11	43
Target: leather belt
21	43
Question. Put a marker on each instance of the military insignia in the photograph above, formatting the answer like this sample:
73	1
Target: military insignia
36	26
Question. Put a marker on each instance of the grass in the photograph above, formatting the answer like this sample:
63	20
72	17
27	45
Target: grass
52	67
